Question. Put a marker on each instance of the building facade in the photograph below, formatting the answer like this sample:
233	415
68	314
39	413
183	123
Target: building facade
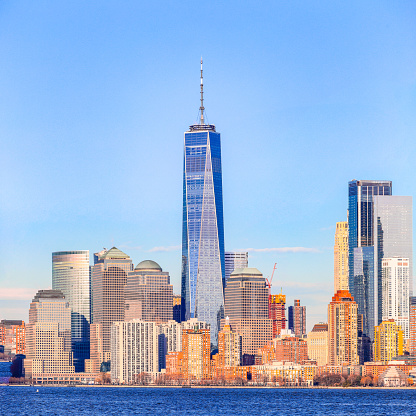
342	330
341	257
388	341
71	275
412	326
395	292
203	261
48	335
235	260
12	337
148	294
134	350
108	280
277	313
297	319
291	349
229	346
318	344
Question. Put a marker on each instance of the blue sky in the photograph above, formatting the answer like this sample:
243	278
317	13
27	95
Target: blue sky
95	97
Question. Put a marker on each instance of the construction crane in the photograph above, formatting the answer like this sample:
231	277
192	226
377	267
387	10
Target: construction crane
269	282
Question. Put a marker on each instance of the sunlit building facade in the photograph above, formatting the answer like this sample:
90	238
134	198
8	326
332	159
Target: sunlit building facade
235	260
341	256
412	325
277	313
297	318
12	337
388	341
318	344
71	275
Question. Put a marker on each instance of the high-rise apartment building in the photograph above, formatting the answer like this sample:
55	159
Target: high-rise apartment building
235	260
388	341
297	319
108	280
342	329
341	257
395	292
48	335
291	349
412	326
229	346
148	294
13	337
246	305
71	275
277	313
318	344
134	350
203	263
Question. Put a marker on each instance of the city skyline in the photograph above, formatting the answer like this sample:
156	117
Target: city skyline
282	99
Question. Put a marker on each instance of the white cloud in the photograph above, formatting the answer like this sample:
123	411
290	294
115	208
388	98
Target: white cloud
163	248
283	250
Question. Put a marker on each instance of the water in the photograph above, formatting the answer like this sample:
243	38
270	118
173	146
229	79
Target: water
199	401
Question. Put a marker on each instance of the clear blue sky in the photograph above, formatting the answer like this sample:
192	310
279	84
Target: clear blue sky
95	97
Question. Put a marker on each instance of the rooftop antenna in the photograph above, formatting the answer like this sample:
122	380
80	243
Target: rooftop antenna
201	109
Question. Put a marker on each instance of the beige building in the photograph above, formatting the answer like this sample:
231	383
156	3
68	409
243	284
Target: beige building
342	330
109	277
229	346
388	341
148	293
247	306
92	365
318	344
341	257
48	335
134	350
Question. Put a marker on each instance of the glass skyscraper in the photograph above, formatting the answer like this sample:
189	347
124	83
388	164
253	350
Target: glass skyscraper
203	264
70	275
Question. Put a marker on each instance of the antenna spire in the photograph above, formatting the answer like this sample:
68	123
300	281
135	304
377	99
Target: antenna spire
201	109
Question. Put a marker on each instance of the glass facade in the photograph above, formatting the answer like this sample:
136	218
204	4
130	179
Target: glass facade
203	265
360	235
71	275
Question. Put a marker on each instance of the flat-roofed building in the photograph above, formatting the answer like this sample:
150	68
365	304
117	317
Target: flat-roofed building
12	337
229	346
388	341
235	260
297	319
318	344
277	308
341	256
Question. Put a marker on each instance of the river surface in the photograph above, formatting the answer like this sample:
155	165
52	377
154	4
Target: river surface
200	401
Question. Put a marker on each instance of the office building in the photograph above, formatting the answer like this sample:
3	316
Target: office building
148	293
48	335
297	319
291	349
412	326
71	275
277	313
203	262
177	308
342	330
362	281
169	340
318	344
134	350
93	364
235	260
341	256
12	337
229	346
246	305
388	341
395	292
108	280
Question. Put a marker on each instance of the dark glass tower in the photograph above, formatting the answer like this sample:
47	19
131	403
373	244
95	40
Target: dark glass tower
203	264
363	279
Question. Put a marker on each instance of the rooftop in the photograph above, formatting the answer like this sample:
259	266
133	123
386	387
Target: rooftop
148	265
114	253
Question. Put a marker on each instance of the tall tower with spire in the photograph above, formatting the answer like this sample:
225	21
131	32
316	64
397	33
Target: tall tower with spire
203	262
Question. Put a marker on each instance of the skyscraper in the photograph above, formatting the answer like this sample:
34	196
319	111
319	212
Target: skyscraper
108	279
388	341
203	265
297	318
70	275
412	326
341	257
235	260
362	279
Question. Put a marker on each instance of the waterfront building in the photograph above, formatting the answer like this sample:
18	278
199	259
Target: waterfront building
97	357
177	308
203	262
318	344
196	358
342	330
48	335
341	257
246	305
229	346
12	337
134	350
148	293
388	341
108	280
71	275
277	308
291	349
235	260
412	326
364	348
395	292
297	319
169	340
